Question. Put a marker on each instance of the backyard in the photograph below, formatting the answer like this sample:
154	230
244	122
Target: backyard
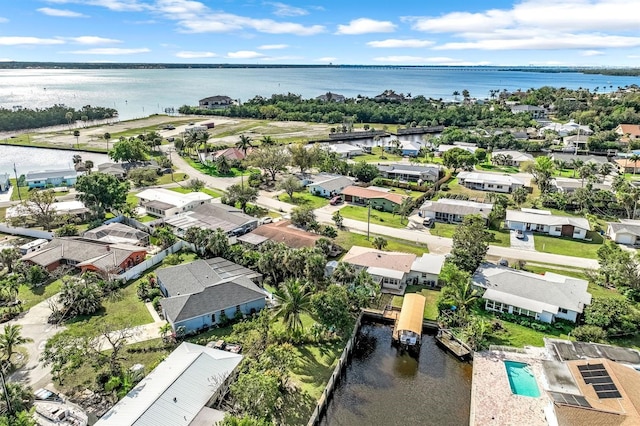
431	296
488	167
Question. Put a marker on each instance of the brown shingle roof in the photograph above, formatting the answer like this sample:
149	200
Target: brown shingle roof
282	232
630	129
357	191
369	257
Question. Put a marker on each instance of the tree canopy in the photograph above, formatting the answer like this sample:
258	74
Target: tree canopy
101	193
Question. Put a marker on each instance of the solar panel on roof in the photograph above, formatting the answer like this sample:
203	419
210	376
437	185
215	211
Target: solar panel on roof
597	376
570	399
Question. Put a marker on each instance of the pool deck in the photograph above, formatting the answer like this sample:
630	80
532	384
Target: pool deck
493	403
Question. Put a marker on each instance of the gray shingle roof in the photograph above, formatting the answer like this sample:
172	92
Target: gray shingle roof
213	216
459	207
334	183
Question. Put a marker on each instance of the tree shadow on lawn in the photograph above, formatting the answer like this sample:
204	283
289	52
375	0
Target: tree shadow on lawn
316	370
298	406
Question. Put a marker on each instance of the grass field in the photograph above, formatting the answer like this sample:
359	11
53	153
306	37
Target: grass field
488	167
446	230
208	191
304	198
24	191
32	296
374	157
569	246
431	296
346	240
377	217
3	213
212	170
175	177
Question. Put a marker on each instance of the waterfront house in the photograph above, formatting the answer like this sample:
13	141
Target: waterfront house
118	233
379	199
201	294
86	255
329	186
544	222
467	147
627	231
344	150
215	102
212	216
410	148
391	269
425	270
510	158
578	142
51	178
536	112
454	211
165	203
408	327
410	172
331	97
542	297
182	389
489	182
5	183
564	129
628	132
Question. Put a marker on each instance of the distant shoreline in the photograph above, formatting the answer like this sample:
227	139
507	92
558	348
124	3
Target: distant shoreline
622	71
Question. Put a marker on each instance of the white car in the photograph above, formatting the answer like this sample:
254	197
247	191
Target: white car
266	220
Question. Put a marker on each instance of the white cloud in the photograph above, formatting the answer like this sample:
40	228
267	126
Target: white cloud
287	10
6	60
592	53
282	58
550	42
192	55
437	60
61	13
366	26
326	59
398	43
110	51
3	20
17	41
633	56
244	54
93	40
115	5
273	46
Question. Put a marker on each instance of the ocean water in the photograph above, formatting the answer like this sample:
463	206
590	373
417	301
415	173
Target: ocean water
139	92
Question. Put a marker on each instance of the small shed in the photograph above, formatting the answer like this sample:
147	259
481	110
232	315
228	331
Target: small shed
408	328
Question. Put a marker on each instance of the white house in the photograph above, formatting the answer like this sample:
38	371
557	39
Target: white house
425	270
536	112
543	297
467	147
391	269
511	157
164	203
72	208
410	172
627	231
453	211
344	150
568	186
180	391
547	223
489	182
563	129
328	186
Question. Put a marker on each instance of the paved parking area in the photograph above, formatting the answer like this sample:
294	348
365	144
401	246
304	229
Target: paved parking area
524	244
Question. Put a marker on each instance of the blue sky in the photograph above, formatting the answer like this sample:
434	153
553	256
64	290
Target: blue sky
404	32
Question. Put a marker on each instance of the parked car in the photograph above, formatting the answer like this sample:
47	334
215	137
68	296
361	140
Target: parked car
427	222
520	234
336	200
266	220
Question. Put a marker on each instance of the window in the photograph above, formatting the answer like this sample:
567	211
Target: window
563	311
213	318
558	228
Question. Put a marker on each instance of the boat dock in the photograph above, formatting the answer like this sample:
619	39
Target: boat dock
453	345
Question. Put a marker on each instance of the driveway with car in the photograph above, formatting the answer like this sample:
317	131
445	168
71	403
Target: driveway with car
525	242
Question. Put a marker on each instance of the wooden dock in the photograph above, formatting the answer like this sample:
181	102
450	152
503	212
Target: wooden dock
453	345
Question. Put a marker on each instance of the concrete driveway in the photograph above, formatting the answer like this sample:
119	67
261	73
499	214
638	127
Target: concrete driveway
522	244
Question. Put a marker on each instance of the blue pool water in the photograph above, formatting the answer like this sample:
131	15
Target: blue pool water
521	379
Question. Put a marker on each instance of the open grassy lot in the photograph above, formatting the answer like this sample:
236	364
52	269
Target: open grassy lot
488	167
346	240
213	170
375	156
304	198
177	177
24	191
431	306
500	238
32	296
569	246
208	191
377	217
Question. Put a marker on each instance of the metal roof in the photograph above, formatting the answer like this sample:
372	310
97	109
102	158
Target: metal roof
544	218
176	390
412	313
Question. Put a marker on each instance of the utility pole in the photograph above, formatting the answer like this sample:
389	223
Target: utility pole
15	172
368	219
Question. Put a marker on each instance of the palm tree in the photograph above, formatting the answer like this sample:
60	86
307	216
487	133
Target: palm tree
222	165
164	330
380	243
576	163
11	339
605	169
344	273
244	143
69	117
107	137
267	140
76	133
294	298
460	294
404	209
634	158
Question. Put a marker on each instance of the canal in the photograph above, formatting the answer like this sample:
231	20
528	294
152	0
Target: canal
384	387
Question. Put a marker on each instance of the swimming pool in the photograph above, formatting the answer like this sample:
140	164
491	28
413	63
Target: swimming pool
521	379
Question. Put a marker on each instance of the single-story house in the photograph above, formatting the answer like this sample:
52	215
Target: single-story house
197	296
628	166
329	186
511	157
380	200
563	129
86	255
344	150
545	222
489	182
628	132
410	172
51	178
467	147
543	297
454	211
410	148
72	208
536	112
568	186
120	170
231	154
391	269
165	203
331	97
212	216
627	231
215	102
425	270
180	390
5	183
280	232
578	142
570	159
118	233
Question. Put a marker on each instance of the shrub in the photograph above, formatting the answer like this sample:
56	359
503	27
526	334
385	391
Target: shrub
589	333
444	187
173	259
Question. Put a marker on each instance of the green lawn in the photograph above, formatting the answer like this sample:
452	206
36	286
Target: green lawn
374	157
488	167
3	213
501	237
210	192
132	199
377	217
31	297
456	188
24	191
304	198
431	306
175	177
212	170
146	218
346	240
569	246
